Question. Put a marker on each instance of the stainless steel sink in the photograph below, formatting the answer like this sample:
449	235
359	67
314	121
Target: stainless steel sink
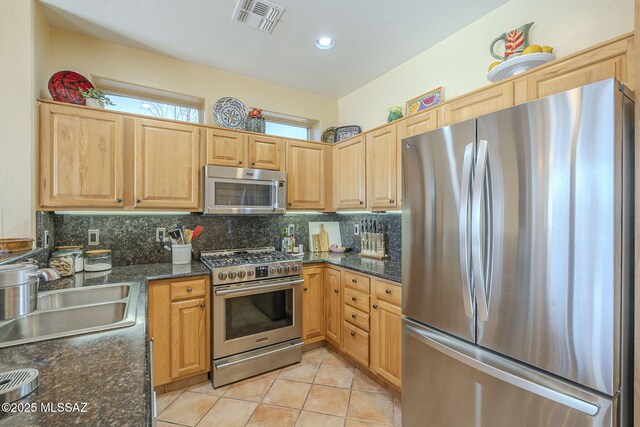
82	296
73	312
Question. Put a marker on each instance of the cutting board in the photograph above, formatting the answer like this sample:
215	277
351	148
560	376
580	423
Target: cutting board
326	234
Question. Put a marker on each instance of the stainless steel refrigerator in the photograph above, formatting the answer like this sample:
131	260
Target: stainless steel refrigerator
517	259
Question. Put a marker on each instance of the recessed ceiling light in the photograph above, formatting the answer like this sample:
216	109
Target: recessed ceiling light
325	42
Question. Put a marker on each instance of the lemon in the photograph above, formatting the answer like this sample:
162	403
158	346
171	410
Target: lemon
532	48
493	64
547	49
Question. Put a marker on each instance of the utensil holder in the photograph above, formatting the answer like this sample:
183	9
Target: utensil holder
181	254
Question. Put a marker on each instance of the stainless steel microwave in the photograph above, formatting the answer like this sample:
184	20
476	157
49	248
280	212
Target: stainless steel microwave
230	190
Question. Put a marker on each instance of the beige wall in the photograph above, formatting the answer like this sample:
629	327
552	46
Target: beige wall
459	63
96	58
21	27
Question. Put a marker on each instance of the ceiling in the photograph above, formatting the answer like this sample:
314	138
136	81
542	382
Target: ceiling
372	36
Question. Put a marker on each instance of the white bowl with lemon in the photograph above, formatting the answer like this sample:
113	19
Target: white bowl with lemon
531	57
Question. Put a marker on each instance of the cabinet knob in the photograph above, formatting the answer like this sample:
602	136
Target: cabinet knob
336	291
253	163
189	289
375	305
361	202
387	291
353	298
305	289
239	162
353	280
202	305
353	334
391	201
353	316
289	203
137	200
119	200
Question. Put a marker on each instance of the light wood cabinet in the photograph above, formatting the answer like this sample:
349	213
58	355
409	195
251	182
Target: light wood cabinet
179	322
313	304
306	175
226	147
484	101
188	340
333	306
349	168
167	165
355	343
420	123
382	167
386	341
265	152
81	158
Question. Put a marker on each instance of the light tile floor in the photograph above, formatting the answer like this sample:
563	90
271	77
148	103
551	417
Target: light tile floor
324	390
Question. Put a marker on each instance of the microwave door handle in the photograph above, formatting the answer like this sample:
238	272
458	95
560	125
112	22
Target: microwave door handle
276	204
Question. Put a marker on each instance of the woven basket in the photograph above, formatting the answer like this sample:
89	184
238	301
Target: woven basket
15	245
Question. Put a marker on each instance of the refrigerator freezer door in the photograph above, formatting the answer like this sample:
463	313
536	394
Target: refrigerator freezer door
447	382
435	220
554	224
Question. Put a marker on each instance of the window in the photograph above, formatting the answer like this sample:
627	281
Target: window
286	130
148	107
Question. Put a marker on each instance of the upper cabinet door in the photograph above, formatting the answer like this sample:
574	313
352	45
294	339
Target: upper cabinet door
420	123
305	175
349	171
484	101
265	152
382	164
81	154
167	165
226	148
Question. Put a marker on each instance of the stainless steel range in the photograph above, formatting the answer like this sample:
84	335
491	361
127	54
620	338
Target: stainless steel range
257	316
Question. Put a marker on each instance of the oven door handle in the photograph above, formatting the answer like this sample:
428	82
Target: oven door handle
266	288
224	364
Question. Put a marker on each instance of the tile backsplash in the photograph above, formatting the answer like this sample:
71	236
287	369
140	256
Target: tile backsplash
132	237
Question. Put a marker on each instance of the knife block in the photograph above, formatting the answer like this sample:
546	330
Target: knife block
372	245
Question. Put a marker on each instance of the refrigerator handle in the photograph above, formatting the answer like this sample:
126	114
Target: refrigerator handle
548	393
463	228
476	232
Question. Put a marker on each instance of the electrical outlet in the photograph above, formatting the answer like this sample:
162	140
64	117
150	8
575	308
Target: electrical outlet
292	229
160	233
45	240
356	229
94	237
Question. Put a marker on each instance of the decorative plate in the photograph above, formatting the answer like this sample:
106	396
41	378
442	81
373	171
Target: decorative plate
230	113
345	132
518	64
424	101
64	85
329	135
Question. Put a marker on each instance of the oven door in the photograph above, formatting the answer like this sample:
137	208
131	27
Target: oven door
252	315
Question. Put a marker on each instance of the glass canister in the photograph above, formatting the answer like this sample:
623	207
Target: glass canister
63	262
395	113
78	253
98	260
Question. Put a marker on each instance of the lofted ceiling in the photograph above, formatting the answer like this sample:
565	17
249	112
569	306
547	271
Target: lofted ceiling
372	36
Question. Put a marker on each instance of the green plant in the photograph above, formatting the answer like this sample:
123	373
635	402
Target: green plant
95	94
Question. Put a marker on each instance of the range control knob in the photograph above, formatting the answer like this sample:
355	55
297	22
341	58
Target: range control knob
280	269
273	270
241	274
250	273
222	276
288	268
232	275
295	268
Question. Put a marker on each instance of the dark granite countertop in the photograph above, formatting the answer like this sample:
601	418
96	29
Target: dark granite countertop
387	269
11	257
109	371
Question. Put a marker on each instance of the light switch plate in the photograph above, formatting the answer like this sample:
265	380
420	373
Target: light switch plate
94	237
160	234
356	229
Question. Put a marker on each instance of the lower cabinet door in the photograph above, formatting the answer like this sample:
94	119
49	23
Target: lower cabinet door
312	304
355	343
386	343
188	337
332	306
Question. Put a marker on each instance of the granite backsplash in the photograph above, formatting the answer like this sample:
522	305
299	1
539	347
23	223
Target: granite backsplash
132	237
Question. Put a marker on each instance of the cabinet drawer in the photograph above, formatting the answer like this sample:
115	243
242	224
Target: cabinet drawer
388	292
356	299
355	343
187	289
356	281
356	317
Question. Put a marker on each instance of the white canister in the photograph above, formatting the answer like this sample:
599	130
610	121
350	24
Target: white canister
181	254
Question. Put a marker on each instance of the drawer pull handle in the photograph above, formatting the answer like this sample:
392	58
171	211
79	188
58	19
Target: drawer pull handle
119	200
202	305
336	291
353	316
375	305
353	280
305	289
353	334
353	298
387	291
240	162
189	290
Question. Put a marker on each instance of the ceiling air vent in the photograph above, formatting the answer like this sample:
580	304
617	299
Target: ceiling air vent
259	14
